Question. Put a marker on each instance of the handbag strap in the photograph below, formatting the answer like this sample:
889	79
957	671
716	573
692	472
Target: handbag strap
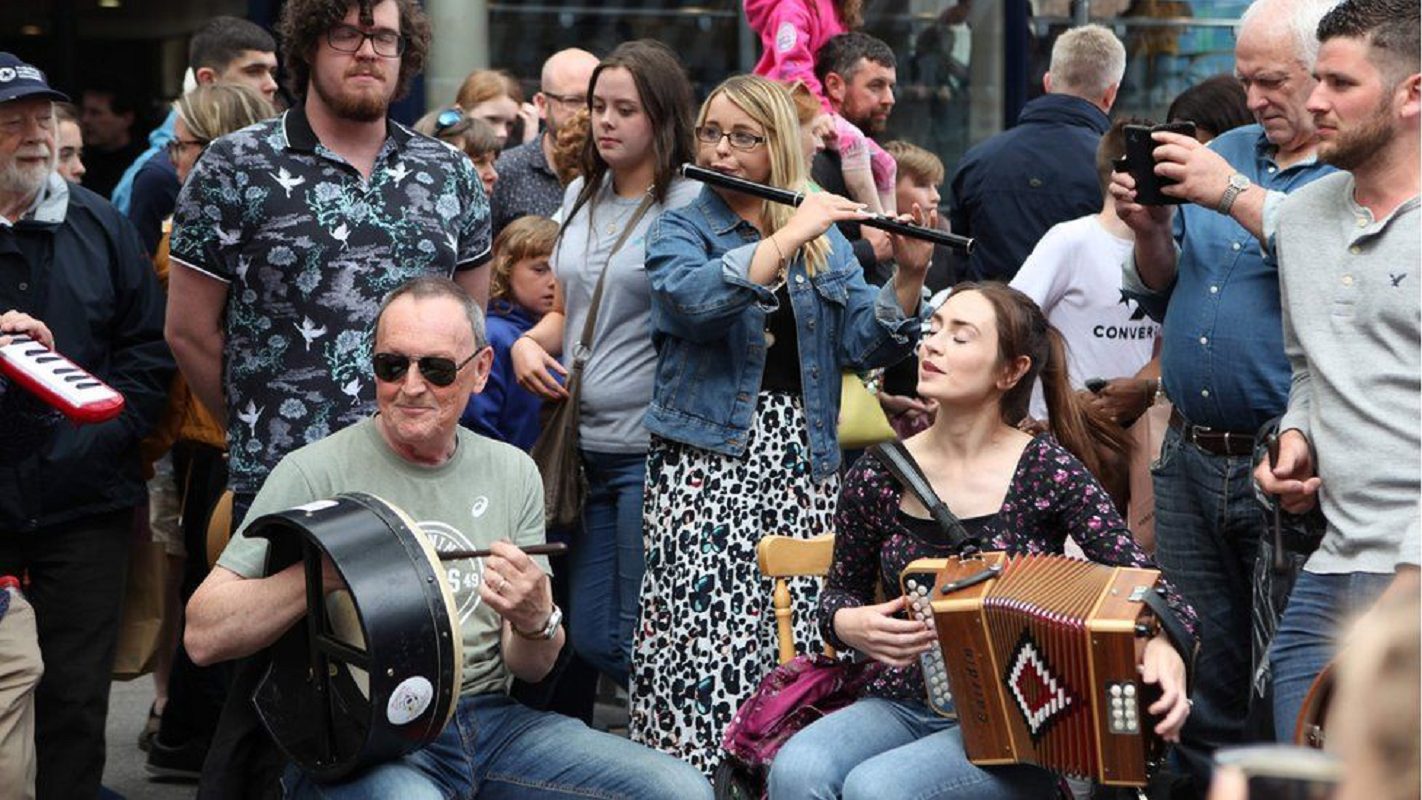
898	460
580	356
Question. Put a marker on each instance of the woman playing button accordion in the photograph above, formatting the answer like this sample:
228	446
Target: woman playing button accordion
756	310
1013	492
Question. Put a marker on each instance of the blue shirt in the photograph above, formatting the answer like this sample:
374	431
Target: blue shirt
158	139
708	326
1223	360
504	410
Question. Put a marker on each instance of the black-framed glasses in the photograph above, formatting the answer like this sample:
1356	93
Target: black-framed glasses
349	39
569	100
177	146
741	140
438	370
447	120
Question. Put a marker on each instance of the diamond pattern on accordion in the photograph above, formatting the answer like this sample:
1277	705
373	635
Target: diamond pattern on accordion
1039	694
935	674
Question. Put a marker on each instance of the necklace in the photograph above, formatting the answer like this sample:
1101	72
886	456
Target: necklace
774	288
626	212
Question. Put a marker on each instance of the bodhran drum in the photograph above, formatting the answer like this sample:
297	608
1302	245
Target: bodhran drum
372	671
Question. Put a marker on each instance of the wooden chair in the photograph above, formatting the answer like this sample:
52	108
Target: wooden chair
782	557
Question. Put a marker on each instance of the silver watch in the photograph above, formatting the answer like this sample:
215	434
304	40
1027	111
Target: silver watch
1238	182
550	628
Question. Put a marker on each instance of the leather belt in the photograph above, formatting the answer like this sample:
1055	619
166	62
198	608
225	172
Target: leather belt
1211	440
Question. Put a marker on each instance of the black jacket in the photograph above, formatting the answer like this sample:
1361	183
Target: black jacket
1011	188
76	264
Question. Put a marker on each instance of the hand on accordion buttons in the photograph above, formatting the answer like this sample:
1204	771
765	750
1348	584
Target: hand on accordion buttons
877	632
1162	665
13	322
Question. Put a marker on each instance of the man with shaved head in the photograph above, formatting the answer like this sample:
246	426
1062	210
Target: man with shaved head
1202	272
527	183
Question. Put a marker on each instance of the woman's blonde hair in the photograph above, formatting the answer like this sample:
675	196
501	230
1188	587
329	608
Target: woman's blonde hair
218	109
526	237
484	85
770	105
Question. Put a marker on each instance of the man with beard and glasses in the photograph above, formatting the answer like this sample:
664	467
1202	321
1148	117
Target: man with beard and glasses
69	259
1349	258
1201	272
288	233
527	183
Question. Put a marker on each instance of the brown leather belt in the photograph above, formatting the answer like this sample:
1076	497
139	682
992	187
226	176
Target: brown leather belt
1216	442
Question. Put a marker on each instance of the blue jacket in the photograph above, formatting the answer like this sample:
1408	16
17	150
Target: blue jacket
708	324
1011	188
504	410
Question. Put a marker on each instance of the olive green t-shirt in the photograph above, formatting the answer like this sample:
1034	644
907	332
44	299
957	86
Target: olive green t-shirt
487	491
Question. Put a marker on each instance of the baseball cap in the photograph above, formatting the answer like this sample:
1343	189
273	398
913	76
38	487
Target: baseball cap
18	79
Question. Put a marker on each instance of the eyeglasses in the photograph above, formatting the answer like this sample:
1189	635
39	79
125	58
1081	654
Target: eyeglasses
570	100
440	371
349	39
741	140
177	146
447	120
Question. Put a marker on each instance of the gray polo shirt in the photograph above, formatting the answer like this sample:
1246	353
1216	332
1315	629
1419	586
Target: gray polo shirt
1353	335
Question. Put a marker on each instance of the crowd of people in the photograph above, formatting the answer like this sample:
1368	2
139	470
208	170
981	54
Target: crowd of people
298	296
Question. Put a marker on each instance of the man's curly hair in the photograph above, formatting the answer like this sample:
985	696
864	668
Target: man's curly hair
304	22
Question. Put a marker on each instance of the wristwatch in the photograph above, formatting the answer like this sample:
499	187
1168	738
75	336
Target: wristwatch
550	628
1238	182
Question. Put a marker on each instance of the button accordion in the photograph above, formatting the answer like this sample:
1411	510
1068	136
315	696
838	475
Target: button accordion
58	382
1038	658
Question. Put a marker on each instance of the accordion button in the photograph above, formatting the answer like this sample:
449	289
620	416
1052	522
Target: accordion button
1130	690
1115	690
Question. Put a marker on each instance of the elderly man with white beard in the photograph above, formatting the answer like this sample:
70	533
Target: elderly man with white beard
71	261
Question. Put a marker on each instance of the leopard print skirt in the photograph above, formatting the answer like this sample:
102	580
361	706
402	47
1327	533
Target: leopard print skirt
707	630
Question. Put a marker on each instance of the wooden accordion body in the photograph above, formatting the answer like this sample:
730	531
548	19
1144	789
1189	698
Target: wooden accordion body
1041	654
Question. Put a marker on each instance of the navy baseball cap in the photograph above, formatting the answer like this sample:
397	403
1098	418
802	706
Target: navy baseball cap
18	79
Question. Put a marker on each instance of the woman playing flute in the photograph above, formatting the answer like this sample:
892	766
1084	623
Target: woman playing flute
757	307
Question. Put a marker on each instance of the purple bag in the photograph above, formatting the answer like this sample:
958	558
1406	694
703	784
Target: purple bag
792	696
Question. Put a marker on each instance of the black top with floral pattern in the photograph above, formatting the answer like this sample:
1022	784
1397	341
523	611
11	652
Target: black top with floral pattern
1052	496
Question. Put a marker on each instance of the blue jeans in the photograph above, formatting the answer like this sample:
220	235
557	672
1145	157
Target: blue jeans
879	749
498	748
1208	526
605	578
1319	607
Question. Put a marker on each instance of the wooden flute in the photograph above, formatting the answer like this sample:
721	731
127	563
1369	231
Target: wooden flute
550	549
789	198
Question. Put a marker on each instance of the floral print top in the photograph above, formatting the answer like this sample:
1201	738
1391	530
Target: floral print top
1052	496
308	248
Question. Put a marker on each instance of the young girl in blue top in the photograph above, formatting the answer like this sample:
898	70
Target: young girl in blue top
757	308
521	287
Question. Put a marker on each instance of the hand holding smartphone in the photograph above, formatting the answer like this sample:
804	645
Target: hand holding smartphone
1140	162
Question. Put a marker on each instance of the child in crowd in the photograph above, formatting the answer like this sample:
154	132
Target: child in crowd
521	286
470	135
791	32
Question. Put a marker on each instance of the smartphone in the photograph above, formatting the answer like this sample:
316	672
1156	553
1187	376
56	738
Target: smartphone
1141	164
1284	772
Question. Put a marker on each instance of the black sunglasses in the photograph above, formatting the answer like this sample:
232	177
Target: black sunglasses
440	371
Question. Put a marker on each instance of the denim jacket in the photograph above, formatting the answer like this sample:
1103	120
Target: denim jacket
708	323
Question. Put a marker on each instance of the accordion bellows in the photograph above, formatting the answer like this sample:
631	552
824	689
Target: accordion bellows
1041	655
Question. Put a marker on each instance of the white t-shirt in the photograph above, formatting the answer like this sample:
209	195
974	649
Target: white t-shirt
1074	274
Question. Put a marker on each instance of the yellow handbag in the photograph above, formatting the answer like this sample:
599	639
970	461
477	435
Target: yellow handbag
862	421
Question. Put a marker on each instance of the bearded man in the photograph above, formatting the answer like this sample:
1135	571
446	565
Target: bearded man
288	233
70	260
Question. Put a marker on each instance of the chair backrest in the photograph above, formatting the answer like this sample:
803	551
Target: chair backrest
782	557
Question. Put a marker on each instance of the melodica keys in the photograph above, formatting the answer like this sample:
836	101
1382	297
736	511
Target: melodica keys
59	382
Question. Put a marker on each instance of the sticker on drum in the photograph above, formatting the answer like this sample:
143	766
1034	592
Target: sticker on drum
409	700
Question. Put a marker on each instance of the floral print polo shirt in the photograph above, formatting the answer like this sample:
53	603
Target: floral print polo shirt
309	247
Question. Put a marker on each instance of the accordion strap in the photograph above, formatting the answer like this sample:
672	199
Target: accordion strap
897	459
1175	631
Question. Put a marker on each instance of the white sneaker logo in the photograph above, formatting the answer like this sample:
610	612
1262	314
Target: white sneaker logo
480	506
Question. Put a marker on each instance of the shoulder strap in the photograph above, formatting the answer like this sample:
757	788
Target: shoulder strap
897	459
585	341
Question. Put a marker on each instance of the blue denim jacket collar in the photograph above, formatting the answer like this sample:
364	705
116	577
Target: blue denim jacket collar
719	216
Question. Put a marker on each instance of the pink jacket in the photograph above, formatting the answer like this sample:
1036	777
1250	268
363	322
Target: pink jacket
792	31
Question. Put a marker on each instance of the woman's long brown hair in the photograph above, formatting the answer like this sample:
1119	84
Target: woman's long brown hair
1022	330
